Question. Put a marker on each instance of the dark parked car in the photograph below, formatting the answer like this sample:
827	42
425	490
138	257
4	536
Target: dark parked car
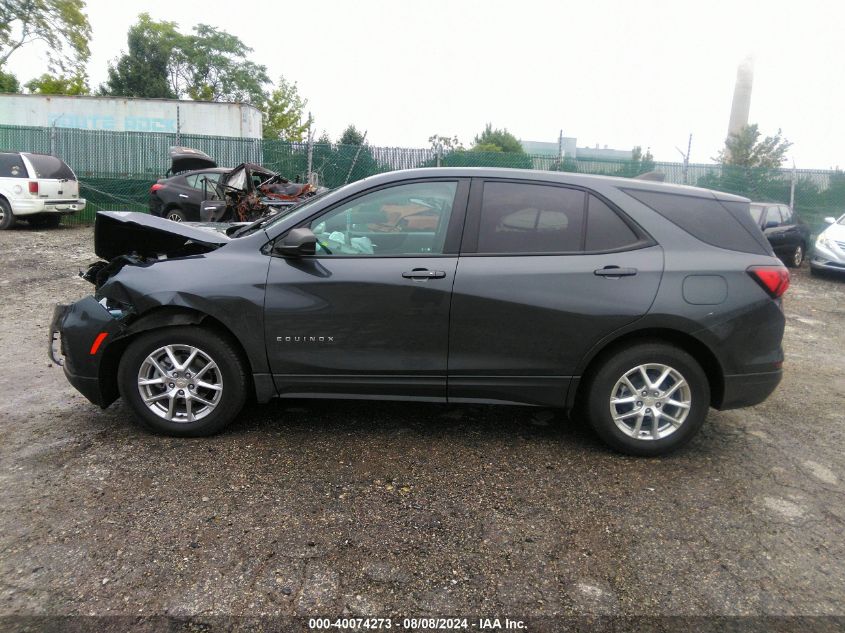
642	304
243	193
786	232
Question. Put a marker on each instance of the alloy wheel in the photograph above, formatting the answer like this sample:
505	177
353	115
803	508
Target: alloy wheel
650	401
175	217
180	383
798	256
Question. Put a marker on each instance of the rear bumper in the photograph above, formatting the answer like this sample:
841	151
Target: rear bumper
745	390
24	207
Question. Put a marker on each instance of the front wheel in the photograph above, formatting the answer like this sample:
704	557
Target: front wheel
648	399
182	381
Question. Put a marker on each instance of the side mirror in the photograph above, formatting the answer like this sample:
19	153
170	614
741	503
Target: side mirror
830	220
297	243
771	224
212	210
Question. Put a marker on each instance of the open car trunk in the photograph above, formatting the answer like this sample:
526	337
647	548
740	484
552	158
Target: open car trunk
188	159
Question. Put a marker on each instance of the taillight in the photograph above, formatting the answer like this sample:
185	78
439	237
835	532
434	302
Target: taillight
773	279
33	187
156	187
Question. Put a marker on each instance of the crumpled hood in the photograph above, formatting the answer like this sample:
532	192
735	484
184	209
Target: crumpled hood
125	232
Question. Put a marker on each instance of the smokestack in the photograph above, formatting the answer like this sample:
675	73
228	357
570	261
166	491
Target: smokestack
742	96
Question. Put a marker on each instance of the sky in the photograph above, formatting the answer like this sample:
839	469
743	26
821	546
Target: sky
615	73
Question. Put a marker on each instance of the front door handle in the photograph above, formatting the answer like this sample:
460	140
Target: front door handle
183	195
615	271
424	273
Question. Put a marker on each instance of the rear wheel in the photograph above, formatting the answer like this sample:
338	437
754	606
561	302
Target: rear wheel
796	258
176	215
182	381
7	218
648	399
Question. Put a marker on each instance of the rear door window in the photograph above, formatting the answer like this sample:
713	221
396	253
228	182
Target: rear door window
50	167
529	218
197	181
11	166
606	231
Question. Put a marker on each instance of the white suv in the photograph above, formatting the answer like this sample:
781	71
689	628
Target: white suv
38	188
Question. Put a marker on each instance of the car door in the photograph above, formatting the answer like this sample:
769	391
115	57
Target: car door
369	313
791	229
545	272
200	186
774	230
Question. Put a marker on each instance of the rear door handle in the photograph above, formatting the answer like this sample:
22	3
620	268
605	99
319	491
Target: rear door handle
183	195
615	271
424	273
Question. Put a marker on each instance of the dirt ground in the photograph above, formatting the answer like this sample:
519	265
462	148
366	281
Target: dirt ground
357	508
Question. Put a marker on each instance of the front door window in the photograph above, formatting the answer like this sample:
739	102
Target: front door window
405	220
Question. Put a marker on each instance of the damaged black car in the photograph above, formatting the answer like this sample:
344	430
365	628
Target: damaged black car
628	300
196	189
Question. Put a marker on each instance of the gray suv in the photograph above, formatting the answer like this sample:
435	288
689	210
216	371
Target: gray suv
637	303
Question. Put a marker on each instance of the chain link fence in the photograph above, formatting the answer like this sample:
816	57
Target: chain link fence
116	169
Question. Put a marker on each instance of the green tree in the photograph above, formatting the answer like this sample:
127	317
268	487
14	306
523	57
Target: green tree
283	110
144	70
491	140
212	65
209	65
351	136
445	143
48	84
745	149
61	25
749	166
9	83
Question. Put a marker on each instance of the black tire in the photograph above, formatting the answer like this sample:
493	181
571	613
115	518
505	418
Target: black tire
45	221
7	218
599	389
796	257
176	215
232	379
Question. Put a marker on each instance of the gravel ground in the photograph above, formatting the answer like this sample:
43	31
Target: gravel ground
401	509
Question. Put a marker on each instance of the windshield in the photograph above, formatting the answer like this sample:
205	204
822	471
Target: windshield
757	212
50	167
270	220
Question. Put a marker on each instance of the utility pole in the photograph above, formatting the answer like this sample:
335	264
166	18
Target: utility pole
560	149
792	189
310	149
686	159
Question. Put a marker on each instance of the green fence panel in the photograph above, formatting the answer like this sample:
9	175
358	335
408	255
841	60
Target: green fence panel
116	169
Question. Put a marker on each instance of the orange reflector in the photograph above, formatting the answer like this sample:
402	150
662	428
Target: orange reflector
97	342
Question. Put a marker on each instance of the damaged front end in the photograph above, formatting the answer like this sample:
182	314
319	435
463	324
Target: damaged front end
86	337
126	238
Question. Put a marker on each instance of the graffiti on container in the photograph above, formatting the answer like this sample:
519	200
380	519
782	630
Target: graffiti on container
107	122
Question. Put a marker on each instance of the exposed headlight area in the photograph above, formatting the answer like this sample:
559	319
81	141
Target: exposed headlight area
115	308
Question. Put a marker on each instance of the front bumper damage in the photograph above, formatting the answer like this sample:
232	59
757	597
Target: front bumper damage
80	337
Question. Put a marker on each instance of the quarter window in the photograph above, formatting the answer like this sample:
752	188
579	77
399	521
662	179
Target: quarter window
527	218
606	231
409	219
11	166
